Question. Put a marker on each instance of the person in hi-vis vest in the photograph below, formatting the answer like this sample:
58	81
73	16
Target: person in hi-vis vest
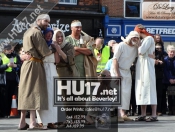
102	53
10	64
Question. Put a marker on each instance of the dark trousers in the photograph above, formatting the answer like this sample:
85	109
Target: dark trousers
159	89
171	102
164	99
133	99
11	87
3	98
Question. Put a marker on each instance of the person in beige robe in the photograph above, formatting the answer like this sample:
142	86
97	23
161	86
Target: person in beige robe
32	87
66	67
84	56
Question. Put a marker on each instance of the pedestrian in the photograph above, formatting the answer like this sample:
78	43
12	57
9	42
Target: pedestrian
10	64
124	55
169	76
49	117
102	53
84	55
145	85
32	87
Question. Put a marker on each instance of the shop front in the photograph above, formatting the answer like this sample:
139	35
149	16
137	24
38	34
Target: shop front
11	28
165	28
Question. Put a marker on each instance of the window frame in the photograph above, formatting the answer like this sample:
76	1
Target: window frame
22	1
68	3
141	1
65	3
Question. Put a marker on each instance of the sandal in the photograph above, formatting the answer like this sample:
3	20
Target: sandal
25	127
140	118
52	126
37	127
151	119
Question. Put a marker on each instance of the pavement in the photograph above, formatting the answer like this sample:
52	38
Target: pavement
165	124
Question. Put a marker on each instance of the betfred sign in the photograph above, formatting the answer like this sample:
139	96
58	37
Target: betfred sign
165	31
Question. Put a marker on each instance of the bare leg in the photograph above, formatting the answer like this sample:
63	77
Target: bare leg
89	119
122	112
32	118
22	121
143	110
154	108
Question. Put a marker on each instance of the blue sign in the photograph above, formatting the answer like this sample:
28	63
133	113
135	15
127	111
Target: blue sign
113	30
164	31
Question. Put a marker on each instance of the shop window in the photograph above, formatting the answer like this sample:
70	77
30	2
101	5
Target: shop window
24	0
132	8
70	2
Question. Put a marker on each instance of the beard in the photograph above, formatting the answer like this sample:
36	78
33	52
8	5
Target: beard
42	26
134	43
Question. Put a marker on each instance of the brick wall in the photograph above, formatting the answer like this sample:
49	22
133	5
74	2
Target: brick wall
84	5
115	7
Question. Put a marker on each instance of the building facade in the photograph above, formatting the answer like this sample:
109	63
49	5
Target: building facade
123	15
62	14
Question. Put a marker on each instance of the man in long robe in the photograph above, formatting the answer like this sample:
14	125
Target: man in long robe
124	55
82	52
32	87
145	85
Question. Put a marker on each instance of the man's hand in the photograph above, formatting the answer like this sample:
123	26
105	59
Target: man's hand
156	62
10	64
14	65
76	48
151	56
171	81
161	62
98	58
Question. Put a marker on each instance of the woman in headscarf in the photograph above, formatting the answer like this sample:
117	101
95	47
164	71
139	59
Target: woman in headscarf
66	67
49	116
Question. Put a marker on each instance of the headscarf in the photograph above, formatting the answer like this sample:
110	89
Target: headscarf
142	30
54	37
43	16
132	34
40	17
45	32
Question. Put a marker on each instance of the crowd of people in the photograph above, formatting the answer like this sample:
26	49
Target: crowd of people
140	60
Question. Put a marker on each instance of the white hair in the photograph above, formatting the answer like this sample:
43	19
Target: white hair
170	48
111	41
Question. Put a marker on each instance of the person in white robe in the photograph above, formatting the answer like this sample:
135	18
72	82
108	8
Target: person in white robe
124	55
145	84
50	116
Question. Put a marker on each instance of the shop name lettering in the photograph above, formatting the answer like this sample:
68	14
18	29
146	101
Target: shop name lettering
63	27
161	30
164	6
19	26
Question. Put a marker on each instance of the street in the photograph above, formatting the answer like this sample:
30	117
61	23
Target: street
165	124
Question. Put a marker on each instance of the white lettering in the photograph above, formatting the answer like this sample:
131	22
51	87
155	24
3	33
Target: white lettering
165	31
64	27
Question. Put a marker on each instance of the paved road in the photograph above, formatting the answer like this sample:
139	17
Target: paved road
165	124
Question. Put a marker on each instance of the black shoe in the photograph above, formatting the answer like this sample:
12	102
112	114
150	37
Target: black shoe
24	128
170	113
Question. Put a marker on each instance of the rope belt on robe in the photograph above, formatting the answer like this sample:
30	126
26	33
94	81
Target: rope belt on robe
36	60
